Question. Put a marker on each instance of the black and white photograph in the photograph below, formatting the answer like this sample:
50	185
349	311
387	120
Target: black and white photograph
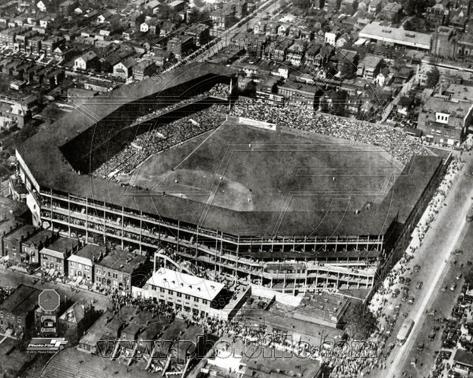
236	188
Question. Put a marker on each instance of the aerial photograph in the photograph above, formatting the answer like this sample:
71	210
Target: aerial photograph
236	188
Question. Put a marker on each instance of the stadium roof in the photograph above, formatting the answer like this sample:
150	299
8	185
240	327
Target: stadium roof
50	169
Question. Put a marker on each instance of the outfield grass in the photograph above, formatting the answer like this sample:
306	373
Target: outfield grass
249	169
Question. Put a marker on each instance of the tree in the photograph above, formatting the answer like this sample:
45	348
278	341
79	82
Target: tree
432	77
415	7
347	69
197	15
359	322
302	4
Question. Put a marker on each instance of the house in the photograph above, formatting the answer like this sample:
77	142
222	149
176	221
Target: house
295	52
166	28
405	105
280	50
331	6
67	7
444	121
436	14
119	270
81	264
391	12
222	19
298	93
30	247
124	69
13	242
144	27
153	6
17	311
153	26
259	28
41	6
50	44
331	38
348	7
53	258
200	34
75	321
311	53
369	67
347	61
374	7
283	30
45	22
177	5
101	18
180	46
86	61
144	68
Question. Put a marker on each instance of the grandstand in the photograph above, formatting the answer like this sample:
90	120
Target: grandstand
233	198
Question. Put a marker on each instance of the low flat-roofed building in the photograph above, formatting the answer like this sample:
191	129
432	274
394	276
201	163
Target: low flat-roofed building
445	122
54	257
375	31
322	308
17	311
459	92
190	294
119	270
81	265
463	362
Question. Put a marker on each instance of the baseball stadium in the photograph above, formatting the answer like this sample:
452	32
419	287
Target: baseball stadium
161	165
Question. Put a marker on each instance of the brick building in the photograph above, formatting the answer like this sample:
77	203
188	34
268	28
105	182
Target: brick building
17	311
119	270
81	264
54	257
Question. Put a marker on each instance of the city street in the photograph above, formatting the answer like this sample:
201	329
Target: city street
445	235
9	278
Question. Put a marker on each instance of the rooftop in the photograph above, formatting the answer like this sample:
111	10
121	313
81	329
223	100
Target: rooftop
282	199
91	251
463	357
22	233
459	92
377	31
23	300
123	261
322	306
64	245
185	283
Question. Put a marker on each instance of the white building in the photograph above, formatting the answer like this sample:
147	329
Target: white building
375	31
331	38
187	293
